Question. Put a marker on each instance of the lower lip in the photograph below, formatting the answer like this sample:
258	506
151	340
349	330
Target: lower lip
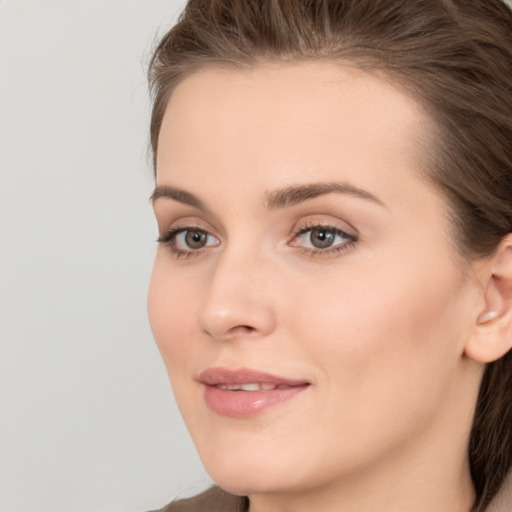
241	404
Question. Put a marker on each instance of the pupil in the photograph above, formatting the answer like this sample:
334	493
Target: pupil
195	239
322	238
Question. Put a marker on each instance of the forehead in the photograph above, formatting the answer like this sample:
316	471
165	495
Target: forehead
289	123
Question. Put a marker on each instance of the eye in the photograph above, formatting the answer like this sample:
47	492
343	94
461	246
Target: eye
186	241
192	239
323	239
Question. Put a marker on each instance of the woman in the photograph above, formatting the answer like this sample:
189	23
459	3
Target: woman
332	293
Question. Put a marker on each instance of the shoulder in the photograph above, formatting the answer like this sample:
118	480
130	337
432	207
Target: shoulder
211	500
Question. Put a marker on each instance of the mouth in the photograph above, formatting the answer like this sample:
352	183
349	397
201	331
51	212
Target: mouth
245	392
263	386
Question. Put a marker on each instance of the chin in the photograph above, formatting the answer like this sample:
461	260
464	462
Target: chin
244	481
245	470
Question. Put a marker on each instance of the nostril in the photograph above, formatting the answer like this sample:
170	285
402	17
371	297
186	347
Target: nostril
241	329
238	330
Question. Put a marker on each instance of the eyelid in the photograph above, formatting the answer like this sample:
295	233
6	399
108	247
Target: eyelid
167	224
324	221
172	233
337	231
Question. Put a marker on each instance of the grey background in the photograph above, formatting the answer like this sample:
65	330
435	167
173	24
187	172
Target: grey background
88	419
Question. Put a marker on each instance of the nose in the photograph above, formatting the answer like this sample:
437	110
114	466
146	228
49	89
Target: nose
237	302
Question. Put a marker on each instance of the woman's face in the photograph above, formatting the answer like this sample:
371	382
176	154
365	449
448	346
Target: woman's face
306	297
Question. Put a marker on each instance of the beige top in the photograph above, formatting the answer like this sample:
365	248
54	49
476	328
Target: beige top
217	500
211	500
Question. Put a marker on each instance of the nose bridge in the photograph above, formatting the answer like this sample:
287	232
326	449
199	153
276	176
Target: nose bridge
237	299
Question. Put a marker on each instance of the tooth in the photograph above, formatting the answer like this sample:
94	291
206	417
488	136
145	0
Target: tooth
250	387
282	386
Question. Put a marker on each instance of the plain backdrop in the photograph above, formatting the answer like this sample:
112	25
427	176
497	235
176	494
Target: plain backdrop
88	422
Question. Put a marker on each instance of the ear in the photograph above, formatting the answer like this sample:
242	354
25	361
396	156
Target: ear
492	334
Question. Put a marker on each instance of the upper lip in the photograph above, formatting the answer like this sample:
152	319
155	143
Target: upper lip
217	375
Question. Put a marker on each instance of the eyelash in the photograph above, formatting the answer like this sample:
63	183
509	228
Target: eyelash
169	239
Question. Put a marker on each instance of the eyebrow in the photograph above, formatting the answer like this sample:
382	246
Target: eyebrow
290	196
277	199
182	196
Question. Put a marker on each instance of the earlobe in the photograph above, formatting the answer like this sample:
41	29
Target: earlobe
492	336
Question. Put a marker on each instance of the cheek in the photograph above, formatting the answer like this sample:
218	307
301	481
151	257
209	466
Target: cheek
170	303
375	334
386	350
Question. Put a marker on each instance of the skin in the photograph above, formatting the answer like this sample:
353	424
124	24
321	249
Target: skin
379	326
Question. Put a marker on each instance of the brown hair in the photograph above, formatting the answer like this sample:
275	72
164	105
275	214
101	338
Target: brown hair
455	57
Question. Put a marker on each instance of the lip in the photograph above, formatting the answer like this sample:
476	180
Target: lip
240	403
